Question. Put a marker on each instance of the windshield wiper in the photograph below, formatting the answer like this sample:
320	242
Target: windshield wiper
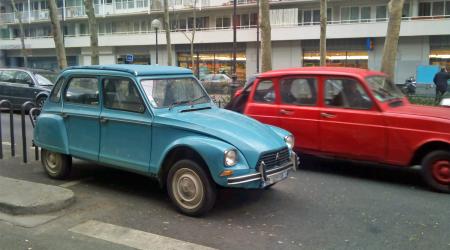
190	102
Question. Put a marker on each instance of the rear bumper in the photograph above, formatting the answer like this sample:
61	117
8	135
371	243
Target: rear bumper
264	175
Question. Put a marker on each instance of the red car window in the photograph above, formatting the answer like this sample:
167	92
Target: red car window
346	93
265	92
300	91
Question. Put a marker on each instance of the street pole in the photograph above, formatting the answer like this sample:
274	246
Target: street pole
63	22
234	76
156	32
257	39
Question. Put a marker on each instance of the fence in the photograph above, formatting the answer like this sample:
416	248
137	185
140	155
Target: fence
33	112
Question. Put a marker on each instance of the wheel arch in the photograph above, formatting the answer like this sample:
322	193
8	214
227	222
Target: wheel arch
426	148
177	153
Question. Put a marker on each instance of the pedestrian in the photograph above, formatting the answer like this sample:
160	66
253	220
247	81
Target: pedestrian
440	80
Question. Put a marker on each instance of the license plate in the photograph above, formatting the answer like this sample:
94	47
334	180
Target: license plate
276	177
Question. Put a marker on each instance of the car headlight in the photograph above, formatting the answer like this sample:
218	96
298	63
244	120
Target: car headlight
290	141
230	157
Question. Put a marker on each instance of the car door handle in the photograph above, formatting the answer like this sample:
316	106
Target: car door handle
327	115
286	112
103	119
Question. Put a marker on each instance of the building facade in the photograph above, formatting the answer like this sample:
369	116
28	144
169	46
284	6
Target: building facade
355	35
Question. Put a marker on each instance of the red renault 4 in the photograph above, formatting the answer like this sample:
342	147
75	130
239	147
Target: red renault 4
352	114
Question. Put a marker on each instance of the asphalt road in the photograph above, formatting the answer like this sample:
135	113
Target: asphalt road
325	205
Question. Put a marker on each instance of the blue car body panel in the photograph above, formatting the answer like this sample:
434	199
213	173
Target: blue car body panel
141	142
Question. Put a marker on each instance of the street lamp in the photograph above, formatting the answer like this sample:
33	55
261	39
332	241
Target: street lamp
156	24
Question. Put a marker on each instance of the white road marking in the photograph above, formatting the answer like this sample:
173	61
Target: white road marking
76	182
131	237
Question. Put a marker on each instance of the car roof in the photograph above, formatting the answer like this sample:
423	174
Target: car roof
321	71
137	70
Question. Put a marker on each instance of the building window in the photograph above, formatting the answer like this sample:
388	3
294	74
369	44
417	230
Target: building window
223	22
381	13
425	9
406	11
308	17
365	14
438	9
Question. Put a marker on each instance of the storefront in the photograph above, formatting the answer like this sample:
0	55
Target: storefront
213	60
440	51
355	59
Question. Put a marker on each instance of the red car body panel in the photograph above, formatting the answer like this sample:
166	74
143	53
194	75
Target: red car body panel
383	134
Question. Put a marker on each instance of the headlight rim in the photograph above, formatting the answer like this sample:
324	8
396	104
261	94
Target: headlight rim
225	154
290	144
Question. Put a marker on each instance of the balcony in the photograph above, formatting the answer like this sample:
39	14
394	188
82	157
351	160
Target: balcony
412	26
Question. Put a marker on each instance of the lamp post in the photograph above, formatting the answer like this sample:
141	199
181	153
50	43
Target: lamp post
234	76
156	24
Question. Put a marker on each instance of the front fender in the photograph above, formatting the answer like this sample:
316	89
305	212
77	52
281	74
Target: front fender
279	131
50	133
212	152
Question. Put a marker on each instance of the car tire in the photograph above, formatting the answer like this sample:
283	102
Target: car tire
56	165
40	101
269	186
191	188
436	170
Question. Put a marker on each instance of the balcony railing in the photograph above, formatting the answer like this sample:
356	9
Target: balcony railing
276	25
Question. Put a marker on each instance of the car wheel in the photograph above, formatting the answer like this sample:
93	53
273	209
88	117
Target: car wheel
436	170
40	101
269	186
190	188
56	165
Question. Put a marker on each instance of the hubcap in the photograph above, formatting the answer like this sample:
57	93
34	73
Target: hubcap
187	188
441	171
53	162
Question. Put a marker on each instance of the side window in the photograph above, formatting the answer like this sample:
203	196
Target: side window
122	94
23	78
299	91
82	91
264	92
55	96
7	76
346	93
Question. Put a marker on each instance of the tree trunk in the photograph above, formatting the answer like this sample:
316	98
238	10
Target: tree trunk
266	40
57	36
323	32
93	30
392	36
22	33
167	28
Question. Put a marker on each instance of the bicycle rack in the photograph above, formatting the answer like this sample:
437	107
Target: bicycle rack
31	111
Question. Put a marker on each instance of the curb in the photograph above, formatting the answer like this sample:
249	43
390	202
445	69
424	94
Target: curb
18	197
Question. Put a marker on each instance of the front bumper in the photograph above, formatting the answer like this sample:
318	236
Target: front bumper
266	177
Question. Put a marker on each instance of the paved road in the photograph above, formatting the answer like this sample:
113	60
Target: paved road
332	205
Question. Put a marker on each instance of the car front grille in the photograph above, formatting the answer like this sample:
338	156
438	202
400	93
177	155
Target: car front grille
271	160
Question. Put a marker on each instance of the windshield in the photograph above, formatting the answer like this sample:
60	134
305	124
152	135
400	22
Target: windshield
383	89
45	80
170	92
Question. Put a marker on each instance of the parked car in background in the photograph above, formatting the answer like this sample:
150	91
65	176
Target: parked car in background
216	84
160	122
20	85
352	114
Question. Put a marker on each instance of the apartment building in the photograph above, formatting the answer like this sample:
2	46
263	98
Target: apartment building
355	33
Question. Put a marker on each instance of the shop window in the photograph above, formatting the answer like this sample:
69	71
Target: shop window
355	59
440	57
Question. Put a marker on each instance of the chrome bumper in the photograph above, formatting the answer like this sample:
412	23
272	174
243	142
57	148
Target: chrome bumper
262	174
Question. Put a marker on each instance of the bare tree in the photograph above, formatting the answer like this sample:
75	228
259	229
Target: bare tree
391	43
167	28
192	32
93	30
323	32
266	39
57	36
22	33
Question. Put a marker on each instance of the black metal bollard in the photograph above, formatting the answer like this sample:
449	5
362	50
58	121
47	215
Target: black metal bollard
24	135
11	128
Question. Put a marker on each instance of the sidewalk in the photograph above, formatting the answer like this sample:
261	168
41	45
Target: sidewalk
29	204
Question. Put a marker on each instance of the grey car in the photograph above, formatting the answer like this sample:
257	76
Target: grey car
19	85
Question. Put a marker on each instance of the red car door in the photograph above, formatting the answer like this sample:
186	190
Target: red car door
263	102
351	124
299	112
